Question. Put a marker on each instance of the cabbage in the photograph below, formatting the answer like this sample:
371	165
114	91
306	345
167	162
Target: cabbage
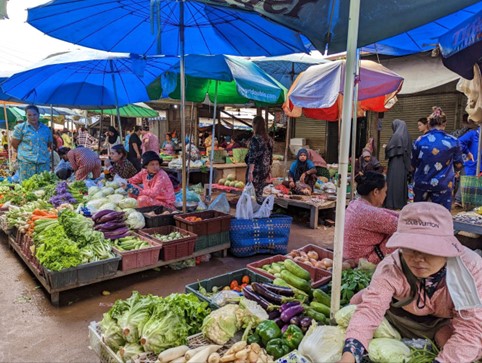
108	205
128	203
343	316
112	184
120	191
385	350
96	203
107	191
135	220
386	330
98	195
92	190
221	324
115	198
323	343
111	332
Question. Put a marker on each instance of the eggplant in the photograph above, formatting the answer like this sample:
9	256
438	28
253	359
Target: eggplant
305	322
100	214
110	216
284	328
295	320
281	290
110	226
269	295
274	314
279	322
291	312
288	305
251	295
119	233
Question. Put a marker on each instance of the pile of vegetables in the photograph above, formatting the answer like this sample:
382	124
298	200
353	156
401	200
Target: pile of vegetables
314	259
193	219
40	218
19	216
290	272
151	323
130	243
353	281
62	195
111	224
170	237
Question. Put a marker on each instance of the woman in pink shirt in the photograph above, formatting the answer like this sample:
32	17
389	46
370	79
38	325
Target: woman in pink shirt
368	226
430	287
152	186
150	142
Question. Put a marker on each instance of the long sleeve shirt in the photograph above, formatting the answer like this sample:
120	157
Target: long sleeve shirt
469	142
158	187
389	281
433	157
367	226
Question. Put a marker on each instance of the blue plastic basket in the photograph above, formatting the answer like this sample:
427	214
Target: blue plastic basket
260	236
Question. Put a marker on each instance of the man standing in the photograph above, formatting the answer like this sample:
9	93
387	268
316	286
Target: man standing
32	140
150	142
135	148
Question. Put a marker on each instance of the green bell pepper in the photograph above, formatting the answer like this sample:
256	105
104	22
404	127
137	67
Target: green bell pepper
268	330
277	348
254	338
293	336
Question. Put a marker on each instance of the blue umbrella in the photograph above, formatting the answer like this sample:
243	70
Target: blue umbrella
153	27
88	79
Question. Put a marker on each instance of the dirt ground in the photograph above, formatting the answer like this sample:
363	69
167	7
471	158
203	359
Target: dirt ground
35	331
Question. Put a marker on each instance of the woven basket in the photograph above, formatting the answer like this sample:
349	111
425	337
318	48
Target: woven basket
260	236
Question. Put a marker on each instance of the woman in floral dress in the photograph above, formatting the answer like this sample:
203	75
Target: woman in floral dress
259	157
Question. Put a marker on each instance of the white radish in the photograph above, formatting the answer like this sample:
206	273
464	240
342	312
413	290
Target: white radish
214	358
192	352
178	360
172	353
203	355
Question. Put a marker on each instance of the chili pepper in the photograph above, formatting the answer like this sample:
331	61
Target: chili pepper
268	330
277	348
293	336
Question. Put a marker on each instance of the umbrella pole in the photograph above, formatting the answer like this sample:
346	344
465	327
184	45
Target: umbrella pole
343	158
183	104
354	127
52	126
477	170
116	100
287	142
211	158
100	128
190	144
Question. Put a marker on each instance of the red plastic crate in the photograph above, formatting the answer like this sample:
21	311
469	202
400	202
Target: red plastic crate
172	250
213	222
139	258
318	277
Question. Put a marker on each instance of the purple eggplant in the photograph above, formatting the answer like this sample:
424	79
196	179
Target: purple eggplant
269	295
291	312
100	214
110	216
279	322
288	305
284	328
251	295
281	290
305	322
274	314
295	320
110	226
120	233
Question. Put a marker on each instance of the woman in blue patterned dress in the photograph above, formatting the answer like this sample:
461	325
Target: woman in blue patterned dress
434	157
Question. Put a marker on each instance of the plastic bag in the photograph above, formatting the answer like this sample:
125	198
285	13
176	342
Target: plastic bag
265	209
190	196
244	207
119	180
220	204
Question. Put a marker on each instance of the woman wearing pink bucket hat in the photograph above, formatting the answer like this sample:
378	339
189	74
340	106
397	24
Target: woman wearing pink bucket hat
430	287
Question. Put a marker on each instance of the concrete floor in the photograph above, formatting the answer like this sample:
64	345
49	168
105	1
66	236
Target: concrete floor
33	330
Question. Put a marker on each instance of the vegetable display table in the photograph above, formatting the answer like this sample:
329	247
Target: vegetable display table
55	292
314	208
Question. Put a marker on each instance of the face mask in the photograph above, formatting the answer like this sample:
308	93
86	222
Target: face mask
461	285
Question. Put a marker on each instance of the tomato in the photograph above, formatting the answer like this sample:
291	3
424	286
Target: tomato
234	284
245	279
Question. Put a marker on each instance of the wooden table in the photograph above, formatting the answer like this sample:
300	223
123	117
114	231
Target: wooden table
312	207
223	170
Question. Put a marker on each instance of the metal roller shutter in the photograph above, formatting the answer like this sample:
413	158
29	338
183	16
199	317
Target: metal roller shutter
314	131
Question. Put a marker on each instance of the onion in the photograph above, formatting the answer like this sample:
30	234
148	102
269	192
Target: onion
328	262
313	255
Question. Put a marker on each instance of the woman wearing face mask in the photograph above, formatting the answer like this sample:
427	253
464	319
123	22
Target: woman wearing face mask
368	226
430	287
120	165
152	186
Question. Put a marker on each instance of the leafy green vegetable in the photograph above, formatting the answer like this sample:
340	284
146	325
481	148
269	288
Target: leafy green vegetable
138	312
221	324
352	281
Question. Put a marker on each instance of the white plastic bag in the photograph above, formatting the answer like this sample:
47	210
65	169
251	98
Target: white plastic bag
265	209
220	204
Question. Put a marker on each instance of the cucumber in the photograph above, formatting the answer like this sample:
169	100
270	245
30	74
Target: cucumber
296	281
319	317
275	267
297	270
321	297
321	308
